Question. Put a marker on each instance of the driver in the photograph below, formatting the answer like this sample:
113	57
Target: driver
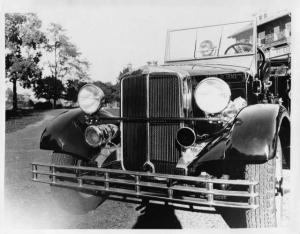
206	48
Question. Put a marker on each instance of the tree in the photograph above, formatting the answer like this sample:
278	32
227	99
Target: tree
126	69
23	42
62	49
116	94
110	91
72	89
116	88
106	89
49	88
66	61
79	69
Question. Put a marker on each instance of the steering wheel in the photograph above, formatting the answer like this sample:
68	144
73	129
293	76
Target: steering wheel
242	47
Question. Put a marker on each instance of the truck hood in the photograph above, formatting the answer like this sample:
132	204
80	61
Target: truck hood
202	67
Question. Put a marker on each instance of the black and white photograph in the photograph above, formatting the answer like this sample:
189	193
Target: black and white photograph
150	114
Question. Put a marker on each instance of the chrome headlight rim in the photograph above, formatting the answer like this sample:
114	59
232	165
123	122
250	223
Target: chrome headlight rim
98	98
97	135
88	138
227	89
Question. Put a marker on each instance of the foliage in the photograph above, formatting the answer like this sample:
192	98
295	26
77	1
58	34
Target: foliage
67	65
72	89
109	91
49	88
67	61
23	42
23	30
116	92
116	88
124	71
112	92
43	105
25	70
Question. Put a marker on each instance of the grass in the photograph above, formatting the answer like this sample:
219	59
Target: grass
19	120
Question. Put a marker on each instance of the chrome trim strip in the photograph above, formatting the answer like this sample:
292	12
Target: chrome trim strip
147	93
207	58
148	123
181	101
161	119
255	44
247	76
167	50
121	125
208	26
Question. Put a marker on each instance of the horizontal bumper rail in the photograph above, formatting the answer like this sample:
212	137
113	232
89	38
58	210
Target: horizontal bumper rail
160	119
150	186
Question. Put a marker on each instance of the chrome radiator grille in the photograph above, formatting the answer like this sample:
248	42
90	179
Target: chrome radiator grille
164	101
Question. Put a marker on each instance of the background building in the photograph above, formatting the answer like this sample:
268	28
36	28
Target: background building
274	35
274	38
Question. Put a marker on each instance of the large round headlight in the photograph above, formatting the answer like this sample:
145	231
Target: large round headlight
212	95
89	98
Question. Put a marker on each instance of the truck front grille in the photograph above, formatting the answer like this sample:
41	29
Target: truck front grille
164	101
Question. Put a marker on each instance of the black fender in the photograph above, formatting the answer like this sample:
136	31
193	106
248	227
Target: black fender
252	137
66	134
255	133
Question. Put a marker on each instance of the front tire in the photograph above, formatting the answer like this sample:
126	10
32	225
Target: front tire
269	212
73	201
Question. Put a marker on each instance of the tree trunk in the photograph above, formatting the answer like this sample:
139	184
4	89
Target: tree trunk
55	75
15	97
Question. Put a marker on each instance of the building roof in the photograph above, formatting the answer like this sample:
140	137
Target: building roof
241	30
262	21
273	17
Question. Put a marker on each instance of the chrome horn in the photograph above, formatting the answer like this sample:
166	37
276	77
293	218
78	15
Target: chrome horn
186	137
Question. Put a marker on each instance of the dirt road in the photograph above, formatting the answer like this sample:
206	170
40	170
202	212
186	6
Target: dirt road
30	205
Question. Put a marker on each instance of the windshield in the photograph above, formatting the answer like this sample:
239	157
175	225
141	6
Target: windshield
210	41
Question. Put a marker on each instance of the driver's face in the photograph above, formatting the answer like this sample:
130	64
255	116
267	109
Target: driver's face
206	48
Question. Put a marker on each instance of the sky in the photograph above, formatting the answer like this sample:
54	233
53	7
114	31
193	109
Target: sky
112	34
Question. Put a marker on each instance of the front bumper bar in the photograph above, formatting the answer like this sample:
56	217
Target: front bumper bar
150	186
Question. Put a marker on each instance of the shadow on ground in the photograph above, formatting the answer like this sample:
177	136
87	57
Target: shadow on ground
157	217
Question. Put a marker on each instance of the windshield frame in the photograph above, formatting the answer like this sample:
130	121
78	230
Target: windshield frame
254	53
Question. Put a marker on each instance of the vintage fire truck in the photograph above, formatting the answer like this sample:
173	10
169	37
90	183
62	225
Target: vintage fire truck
209	127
